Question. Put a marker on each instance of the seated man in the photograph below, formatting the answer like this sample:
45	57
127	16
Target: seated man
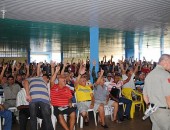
24	112
8	117
101	95
140	82
61	100
10	92
85	98
118	97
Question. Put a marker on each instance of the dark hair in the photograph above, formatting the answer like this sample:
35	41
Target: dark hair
46	76
127	71
10	77
117	74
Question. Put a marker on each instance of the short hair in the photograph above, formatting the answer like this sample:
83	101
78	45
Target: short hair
19	75
163	58
10	77
118	74
46	76
127	71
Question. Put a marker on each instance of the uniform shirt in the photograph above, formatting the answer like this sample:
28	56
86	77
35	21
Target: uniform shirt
101	93
83	93
131	83
157	86
21	98
38	90
60	96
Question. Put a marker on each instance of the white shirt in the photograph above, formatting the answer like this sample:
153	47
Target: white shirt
117	85
131	83
21	98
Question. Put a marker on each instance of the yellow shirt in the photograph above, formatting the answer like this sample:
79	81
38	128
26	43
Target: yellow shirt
83	93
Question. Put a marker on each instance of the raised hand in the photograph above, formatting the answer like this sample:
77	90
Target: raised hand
94	62
27	66
102	72
40	63
52	63
57	68
82	70
120	61
65	64
4	67
18	66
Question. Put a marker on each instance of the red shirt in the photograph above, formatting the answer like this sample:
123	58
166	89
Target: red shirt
145	70
60	96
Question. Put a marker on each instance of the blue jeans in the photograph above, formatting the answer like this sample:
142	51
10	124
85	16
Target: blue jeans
45	110
8	119
128	104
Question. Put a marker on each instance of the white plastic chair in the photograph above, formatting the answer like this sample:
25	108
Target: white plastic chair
81	118
53	119
110	109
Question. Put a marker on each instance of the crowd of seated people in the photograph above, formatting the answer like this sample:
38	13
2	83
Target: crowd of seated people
36	87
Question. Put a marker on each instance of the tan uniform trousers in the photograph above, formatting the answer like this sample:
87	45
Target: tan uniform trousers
161	119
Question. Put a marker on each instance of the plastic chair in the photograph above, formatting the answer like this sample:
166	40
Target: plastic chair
54	119
81	118
127	92
110	110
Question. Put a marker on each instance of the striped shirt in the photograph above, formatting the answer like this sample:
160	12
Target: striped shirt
38	90
60	96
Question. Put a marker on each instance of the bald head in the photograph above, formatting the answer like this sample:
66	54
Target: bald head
164	61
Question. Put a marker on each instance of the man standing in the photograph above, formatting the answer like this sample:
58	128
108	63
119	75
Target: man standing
38	98
157	91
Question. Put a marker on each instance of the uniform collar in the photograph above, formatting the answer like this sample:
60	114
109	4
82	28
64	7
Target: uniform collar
160	67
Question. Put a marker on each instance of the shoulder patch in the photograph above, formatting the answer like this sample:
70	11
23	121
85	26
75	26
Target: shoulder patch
168	80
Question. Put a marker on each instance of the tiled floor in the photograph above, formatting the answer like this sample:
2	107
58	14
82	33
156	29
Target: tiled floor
134	124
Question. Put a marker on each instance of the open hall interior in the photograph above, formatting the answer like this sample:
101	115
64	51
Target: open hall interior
57	30
60	30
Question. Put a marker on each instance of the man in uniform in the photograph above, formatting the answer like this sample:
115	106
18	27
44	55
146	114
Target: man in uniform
157	92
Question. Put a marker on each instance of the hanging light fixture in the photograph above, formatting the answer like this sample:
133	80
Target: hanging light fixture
3	10
3	13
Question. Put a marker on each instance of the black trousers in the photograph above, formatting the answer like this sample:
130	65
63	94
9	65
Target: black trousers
24	114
